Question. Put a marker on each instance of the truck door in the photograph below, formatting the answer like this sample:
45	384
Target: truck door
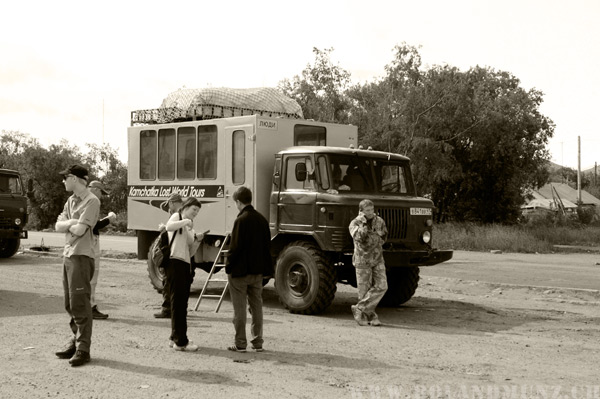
239	154
297	198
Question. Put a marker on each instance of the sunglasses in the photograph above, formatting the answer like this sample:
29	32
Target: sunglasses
67	176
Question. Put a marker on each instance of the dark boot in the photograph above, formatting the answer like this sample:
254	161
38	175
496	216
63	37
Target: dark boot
67	352
79	358
96	314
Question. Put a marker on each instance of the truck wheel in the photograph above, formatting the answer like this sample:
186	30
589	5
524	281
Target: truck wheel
9	246
156	274
304	280
402	284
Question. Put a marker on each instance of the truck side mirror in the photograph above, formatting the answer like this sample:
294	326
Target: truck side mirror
301	171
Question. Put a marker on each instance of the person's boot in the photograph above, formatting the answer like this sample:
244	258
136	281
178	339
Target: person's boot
163	314
79	358
358	315
68	351
96	314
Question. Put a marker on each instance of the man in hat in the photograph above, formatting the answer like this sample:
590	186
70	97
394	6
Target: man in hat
174	204
77	220
98	190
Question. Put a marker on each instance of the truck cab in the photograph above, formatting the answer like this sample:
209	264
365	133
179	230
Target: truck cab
13	212
315	195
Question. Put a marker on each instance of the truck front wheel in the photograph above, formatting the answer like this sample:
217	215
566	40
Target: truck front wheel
402	284
304	279
9	247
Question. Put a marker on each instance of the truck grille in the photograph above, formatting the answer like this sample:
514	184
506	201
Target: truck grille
396	221
6	222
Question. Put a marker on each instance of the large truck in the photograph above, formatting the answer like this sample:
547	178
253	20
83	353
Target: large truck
13	212
307	178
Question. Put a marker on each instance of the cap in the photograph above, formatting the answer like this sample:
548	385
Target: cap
98	185
75	170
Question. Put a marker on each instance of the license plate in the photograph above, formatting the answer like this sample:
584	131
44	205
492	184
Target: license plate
420	211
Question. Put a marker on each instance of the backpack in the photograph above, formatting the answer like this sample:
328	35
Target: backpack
160	250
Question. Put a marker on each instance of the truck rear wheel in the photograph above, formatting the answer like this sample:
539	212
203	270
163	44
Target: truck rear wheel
156	274
304	279
9	246
402	284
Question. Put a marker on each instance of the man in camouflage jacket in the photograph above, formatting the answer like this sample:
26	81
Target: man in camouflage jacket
369	234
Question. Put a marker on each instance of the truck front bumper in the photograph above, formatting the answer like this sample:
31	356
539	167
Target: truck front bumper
13	234
416	258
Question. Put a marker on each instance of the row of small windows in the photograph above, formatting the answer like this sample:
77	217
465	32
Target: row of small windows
189	152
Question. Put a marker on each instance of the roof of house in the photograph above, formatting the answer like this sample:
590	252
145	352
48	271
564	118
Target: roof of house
566	192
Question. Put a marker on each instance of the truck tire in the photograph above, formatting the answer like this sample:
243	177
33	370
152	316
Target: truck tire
9	247
402	284
156	275
304	279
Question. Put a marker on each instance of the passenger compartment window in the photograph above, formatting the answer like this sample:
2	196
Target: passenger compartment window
186	152
207	152
310	135
166	154
148	154
238	160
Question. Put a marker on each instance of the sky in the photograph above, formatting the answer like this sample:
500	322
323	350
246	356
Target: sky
75	70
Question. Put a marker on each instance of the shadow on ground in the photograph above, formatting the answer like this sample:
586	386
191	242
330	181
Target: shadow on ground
17	303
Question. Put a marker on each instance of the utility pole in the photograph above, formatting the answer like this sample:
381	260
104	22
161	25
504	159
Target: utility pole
579	170
102	121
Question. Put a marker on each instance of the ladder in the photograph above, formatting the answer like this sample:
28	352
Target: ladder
220	262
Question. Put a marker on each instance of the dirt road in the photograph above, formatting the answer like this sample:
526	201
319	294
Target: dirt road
459	337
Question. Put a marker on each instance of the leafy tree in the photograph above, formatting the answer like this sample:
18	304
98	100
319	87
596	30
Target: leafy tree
320	90
40	165
476	138
107	168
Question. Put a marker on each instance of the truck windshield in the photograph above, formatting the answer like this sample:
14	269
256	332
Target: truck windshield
355	174
10	184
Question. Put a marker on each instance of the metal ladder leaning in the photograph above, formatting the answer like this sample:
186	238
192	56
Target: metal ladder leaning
220	261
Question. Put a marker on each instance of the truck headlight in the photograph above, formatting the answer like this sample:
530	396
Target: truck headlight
18	221
426	237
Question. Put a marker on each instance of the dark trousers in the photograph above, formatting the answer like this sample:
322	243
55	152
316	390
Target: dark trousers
247	290
179	281
77	273
166	305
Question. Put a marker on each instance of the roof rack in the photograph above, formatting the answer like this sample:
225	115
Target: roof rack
199	112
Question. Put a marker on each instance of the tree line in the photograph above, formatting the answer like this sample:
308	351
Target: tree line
40	165
476	138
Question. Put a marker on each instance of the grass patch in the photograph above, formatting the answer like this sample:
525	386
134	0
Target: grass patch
525	239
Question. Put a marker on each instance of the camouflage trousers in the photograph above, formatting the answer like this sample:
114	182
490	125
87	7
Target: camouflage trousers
372	285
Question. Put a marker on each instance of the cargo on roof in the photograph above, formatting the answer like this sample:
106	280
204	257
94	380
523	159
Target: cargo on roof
210	103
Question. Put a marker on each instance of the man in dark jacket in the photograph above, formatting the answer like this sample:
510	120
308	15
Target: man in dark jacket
249	259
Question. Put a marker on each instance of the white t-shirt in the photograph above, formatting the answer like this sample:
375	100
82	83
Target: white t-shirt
184	241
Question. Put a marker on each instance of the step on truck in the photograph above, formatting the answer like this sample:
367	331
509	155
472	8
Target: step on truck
307	178
13	212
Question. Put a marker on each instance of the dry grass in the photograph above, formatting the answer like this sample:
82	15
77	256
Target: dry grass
526	239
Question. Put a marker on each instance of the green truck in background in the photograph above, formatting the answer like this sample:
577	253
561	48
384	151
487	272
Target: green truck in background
13	212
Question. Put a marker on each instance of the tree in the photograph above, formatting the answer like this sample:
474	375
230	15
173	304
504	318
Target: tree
106	166
320	90
40	165
476	138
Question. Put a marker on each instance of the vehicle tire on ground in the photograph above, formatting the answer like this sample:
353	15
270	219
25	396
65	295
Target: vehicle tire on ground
304	278
9	247
156	274
402	284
